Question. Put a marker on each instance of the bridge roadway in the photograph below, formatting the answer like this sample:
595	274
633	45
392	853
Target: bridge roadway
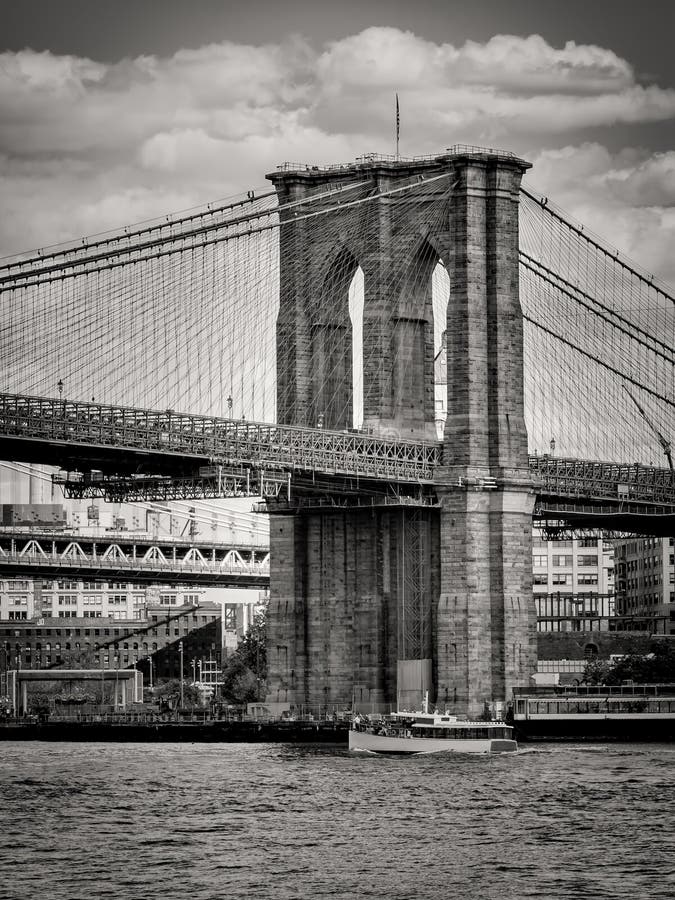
121	452
126	556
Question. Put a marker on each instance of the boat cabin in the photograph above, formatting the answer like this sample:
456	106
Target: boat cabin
434	725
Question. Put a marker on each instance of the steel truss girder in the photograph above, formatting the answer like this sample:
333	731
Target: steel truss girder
629	483
414	620
223	441
132	558
175	440
117	489
560	530
339	501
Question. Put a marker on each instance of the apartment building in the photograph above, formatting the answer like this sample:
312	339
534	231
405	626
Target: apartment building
645	580
573	583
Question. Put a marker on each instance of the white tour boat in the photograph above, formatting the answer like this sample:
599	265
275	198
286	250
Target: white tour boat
425	732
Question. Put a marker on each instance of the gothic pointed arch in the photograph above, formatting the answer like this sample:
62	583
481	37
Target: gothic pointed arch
331	343
413	344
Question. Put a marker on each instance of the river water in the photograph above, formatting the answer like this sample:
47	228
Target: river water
234	821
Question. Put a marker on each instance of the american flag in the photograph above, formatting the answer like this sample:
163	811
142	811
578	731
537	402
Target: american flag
398	124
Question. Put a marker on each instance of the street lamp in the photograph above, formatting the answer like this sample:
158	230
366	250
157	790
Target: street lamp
59	385
180	650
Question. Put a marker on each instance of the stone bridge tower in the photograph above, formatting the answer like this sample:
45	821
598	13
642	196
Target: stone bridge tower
368	604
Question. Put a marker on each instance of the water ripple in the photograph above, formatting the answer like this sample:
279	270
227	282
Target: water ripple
241	821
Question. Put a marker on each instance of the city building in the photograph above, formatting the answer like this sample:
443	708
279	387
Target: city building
81	643
573	583
74	623
645	581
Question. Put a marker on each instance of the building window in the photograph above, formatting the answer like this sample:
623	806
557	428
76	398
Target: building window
565	560
17	585
562	578
583	560
539	561
589	578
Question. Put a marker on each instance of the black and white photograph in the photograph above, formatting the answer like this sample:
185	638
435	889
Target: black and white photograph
337	422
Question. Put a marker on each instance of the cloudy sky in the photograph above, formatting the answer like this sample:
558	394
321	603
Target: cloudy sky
114	112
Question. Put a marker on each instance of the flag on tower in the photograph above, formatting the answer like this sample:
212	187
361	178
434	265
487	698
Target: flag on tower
398	124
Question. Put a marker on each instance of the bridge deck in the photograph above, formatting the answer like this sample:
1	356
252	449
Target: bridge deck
213	439
123	439
131	558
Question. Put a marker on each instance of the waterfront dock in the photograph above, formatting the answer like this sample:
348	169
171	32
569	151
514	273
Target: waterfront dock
203	730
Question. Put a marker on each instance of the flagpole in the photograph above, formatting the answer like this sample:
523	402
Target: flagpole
398	126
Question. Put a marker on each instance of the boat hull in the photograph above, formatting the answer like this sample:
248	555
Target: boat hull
382	743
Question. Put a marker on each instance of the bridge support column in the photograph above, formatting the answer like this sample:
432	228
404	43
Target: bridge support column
348	588
485	622
485	640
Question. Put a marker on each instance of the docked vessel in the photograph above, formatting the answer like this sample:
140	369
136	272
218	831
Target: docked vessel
429	732
597	712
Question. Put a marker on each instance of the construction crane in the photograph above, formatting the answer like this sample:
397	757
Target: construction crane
665	444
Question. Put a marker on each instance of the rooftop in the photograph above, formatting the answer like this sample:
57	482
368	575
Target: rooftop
375	159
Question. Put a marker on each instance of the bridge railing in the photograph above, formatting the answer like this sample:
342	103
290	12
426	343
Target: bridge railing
226	441
375	158
287	448
120	564
561	477
53	565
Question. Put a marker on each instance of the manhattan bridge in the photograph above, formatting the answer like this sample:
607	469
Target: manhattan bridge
405	361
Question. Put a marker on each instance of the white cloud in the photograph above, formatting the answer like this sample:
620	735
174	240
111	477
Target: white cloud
387	57
86	146
628	198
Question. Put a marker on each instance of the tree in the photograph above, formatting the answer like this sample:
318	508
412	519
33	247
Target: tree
596	671
252	649
169	692
39	705
240	684
655	666
246	670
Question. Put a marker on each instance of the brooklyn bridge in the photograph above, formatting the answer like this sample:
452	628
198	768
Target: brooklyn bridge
404	361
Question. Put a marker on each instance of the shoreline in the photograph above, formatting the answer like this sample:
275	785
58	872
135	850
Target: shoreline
306	732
